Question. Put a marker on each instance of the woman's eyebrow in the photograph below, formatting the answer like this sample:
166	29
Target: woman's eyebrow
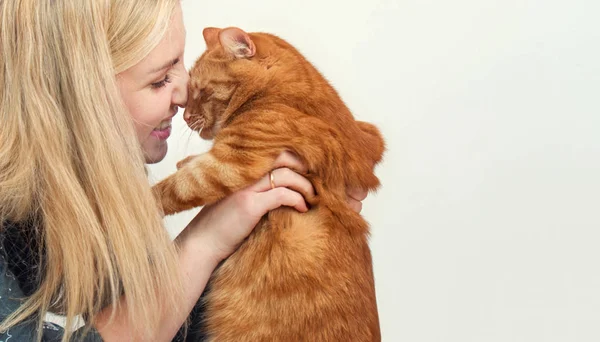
166	65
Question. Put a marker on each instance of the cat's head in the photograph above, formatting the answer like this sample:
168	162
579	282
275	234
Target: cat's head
237	68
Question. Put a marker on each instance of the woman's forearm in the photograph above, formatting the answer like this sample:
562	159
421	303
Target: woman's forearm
196	263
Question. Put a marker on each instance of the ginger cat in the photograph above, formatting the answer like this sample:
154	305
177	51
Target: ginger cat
298	276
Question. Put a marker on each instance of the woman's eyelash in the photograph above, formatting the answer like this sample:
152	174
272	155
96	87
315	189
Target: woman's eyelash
161	83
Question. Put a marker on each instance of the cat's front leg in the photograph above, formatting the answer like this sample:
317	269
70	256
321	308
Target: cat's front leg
184	161
209	177
198	181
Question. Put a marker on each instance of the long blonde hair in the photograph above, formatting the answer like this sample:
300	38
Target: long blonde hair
69	156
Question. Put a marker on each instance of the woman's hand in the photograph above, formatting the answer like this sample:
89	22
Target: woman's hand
222	226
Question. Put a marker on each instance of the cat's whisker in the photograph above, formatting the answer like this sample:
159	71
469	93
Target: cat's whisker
189	138
184	137
184	132
196	125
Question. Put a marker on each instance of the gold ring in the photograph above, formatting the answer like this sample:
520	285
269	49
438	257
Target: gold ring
272	179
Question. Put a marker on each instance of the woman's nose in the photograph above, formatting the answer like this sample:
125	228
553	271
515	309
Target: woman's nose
180	93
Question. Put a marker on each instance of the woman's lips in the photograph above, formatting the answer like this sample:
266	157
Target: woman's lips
162	133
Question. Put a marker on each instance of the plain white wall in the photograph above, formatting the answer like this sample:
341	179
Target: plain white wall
487	227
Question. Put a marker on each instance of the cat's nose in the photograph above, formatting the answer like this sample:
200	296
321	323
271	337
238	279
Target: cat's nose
187	116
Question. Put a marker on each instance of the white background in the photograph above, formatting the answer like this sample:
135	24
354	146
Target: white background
487	227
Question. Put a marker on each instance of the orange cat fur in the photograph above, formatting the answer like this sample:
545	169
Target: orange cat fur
298	276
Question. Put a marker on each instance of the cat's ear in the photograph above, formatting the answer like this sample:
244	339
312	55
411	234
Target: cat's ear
237	42
211	37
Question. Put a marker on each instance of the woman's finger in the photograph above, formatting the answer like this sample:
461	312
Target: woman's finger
291	161
278	197
355	205
287	178
357	194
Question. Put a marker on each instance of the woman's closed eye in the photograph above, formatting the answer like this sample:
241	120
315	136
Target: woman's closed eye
161	83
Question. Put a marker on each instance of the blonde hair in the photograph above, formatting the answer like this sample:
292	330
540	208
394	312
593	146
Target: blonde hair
69	156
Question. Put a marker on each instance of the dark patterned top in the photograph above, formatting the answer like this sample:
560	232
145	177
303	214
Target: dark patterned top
19	279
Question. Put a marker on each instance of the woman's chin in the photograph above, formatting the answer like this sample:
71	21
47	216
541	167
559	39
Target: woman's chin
155	152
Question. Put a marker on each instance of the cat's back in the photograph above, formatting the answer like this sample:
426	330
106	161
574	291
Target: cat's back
298	277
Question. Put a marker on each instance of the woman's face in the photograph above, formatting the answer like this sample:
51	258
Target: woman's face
154	88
